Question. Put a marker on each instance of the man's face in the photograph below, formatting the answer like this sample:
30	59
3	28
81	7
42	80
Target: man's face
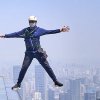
32	23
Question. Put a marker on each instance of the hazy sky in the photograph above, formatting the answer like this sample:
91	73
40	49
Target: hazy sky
80	45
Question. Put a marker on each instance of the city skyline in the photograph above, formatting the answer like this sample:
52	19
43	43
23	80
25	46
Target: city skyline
79	84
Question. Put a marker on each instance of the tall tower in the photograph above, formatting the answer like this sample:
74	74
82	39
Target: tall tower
16	70
40	81
75	89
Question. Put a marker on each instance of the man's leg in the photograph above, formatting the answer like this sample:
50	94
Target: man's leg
43	61
27	61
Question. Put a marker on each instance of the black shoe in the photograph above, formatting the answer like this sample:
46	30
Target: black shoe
58	84
16	87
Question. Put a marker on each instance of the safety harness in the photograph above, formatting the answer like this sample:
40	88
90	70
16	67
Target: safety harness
32	42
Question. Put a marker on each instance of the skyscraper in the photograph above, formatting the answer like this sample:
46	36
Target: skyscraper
75	89
51	94
16	70
37	96
90	93
64	96
98	95
40	80
90	96
5	90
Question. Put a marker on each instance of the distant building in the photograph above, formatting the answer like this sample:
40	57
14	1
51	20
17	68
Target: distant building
98	95
40	81
51	94
37	96
82	91
75	89
89	96
90	93
5	90
64	96
16	70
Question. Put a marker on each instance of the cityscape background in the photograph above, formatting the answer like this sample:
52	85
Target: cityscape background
80	83
74	56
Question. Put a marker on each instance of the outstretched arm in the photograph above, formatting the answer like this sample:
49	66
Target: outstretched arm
45	32
13	35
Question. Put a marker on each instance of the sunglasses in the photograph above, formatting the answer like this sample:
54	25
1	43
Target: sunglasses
31	21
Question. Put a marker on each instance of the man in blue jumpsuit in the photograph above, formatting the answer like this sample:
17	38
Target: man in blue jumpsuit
31	37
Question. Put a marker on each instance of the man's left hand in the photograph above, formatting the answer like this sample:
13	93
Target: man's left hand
65	29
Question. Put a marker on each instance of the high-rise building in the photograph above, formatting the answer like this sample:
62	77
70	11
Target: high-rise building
98	95
37	96
51	94
82	91
96	77
90	93
64	96
16	70
40	81
5	90
90	96
75	89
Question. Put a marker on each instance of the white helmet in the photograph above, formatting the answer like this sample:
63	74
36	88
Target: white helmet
32	18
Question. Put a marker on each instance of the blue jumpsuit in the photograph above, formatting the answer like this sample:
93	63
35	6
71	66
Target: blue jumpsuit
33	49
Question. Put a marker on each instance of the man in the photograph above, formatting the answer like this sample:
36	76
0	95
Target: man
31	36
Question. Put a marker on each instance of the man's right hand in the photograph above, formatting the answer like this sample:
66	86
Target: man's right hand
2	36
